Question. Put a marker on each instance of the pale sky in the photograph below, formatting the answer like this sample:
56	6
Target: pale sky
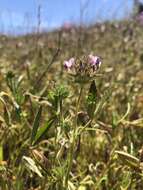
20	16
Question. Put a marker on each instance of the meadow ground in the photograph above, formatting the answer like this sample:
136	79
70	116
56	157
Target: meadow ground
75	128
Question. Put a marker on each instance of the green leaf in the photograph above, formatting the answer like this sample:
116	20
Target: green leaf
42	131
92	99
36	124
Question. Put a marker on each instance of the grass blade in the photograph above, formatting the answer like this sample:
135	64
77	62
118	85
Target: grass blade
36	124
42	131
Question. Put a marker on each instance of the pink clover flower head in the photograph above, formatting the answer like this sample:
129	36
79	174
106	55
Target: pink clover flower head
94	61
70	63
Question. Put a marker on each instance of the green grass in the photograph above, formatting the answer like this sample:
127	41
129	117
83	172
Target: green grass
64	132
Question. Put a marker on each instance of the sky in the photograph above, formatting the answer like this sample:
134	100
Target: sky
20	16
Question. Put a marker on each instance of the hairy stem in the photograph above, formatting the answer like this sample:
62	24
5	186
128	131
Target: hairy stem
73	139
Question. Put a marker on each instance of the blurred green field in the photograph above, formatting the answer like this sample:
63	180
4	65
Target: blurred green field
52	135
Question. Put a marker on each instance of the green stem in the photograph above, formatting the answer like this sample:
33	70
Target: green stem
73	139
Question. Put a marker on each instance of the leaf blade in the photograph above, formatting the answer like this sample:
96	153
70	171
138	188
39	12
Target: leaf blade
42	131
36	124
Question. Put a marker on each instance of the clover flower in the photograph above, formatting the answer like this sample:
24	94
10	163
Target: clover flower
69	64
94	61
83	69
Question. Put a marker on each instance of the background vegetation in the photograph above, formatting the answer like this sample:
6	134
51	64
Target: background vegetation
57	132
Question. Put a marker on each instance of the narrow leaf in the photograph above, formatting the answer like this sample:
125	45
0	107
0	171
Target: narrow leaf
42	131
36	124
128	159
6	112
92	100
31	165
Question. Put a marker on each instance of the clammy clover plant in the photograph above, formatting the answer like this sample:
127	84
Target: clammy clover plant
64	127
